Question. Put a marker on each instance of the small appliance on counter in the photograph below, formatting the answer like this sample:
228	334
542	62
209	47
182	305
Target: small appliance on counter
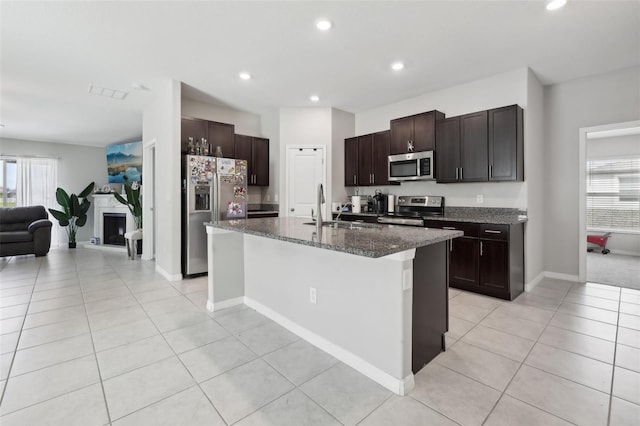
391	203
379	203
414	209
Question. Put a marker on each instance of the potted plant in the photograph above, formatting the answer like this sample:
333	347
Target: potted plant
74	211
133	201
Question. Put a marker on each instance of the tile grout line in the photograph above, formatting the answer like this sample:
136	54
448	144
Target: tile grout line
613	369
518	370
15	350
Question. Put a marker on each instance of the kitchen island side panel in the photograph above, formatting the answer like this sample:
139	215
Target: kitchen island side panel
363	305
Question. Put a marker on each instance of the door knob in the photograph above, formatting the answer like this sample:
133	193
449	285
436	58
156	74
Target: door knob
292	209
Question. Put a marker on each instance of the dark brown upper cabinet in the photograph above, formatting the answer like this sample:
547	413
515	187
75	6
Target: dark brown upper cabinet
506	144
256	151
192	128
480	147
461	149
415	133
221	135
351	161
366	159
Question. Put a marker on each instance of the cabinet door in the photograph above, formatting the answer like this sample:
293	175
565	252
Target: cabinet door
424	132
365	155
463	262
222	135
506	144
473	147
401	134
351	162
447	150
243	150
192	127
494	265
260	161
381	158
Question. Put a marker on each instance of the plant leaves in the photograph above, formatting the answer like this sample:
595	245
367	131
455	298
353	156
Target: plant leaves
85	192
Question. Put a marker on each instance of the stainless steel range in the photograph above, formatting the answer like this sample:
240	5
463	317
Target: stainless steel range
414	209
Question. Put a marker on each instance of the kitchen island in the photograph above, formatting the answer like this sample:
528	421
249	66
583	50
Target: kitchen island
375	296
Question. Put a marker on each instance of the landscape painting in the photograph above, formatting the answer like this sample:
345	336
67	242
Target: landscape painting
124	162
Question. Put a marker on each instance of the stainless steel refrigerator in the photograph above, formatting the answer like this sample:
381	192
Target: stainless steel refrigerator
213	189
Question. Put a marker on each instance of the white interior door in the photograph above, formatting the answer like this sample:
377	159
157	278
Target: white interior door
305	170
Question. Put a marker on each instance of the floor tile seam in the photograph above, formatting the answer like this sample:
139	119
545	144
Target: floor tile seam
469	377
625	400
75	357
633	315
577	293
139	367
8	318
409	395
576	353
52	341
298	338
322	407
262	406
536	407
494	352
333	364
55	309
504	391
127	344
49	399
540	368
15	351
535	305
583	333
509	332
377	407
591	306
589	318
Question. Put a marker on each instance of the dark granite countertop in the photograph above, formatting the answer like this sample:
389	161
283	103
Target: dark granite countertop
375	241
492	215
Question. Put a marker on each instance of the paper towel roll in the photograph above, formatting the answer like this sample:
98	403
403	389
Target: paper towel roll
391	203
355	204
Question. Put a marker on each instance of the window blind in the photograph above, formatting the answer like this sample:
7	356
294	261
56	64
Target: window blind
613	194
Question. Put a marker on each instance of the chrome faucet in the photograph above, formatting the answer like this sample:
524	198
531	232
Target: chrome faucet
342	209
319	201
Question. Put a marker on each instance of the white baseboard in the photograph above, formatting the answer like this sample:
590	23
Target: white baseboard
168	276
397	386
534	282
212	307
625	252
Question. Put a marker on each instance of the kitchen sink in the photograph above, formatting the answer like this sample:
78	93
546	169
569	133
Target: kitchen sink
345	224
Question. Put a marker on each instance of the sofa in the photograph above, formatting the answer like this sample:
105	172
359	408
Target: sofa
24	230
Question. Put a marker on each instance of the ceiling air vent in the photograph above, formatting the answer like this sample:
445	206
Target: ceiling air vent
109	93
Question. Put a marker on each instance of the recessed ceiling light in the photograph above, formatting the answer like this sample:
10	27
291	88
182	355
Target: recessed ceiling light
397	66
139	86
314	98
555	4
245	76
324	24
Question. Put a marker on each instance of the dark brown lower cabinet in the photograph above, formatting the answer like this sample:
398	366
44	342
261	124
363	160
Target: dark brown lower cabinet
488	259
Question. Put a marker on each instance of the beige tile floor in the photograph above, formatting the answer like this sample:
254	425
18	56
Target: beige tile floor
91	338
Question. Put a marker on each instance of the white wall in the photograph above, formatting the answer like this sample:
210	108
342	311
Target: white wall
500	90
592	101
161	122
304	126
77	167
534	178
342	127
617	147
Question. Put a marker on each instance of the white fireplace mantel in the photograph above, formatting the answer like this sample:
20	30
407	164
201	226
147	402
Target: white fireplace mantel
107	203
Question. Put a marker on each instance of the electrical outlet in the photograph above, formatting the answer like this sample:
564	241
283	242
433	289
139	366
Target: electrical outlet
313	295
479	199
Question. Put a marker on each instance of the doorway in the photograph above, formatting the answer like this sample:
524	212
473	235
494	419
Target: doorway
148	200
609	205
304	171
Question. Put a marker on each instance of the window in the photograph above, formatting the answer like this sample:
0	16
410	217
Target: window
8	174
613	194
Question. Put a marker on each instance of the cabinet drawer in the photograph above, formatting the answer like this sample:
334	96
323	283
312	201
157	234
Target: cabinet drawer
494	232
469	229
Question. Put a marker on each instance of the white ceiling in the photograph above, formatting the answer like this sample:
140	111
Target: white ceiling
52	51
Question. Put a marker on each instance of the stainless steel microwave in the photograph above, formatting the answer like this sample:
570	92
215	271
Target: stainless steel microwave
413	166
